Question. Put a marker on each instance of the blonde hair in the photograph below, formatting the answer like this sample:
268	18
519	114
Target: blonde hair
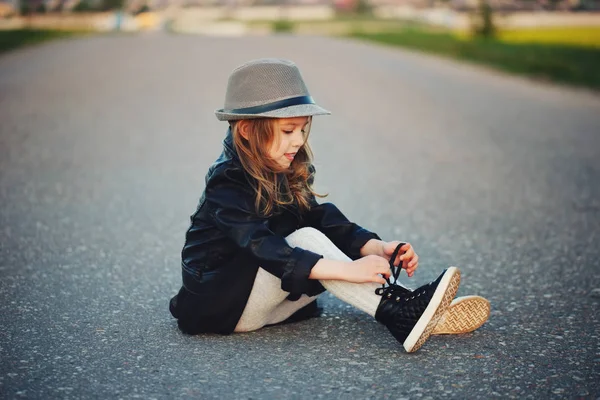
270	191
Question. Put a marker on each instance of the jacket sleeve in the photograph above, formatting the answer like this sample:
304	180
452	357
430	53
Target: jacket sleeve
327	218
347	236
231	203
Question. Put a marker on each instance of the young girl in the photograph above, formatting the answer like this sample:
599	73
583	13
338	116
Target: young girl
260	248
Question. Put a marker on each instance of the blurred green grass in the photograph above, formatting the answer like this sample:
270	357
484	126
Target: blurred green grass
560	63
12	39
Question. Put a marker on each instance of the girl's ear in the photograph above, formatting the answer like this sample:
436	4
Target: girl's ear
243	127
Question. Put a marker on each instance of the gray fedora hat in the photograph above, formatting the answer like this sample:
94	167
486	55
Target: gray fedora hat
267	88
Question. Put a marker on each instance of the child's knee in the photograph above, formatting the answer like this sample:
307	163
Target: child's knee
307	233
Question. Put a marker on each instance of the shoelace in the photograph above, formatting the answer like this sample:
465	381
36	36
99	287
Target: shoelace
393	289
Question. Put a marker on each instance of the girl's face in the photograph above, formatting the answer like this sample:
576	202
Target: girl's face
289	138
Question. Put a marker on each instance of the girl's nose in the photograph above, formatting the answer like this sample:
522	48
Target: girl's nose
298	140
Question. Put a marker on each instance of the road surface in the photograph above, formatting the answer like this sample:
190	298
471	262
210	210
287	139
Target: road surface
105	142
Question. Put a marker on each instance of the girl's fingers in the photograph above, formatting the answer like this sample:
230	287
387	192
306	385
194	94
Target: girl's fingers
386	272
410	258
406	262
412	270
398	259
408	254
414	261
407	259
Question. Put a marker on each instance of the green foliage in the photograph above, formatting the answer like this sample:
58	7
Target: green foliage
363	7
83	6
142	9
484	20
25	8
555	62
32	6
283	25
12	39
108	5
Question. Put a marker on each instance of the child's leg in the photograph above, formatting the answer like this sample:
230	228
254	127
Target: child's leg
360	295
410	316
268	305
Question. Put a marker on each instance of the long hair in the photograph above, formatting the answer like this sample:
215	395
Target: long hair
274	186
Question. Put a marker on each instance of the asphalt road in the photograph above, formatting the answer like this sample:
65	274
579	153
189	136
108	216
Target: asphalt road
105	142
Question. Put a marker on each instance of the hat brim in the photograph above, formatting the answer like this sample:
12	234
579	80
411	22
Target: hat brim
300	110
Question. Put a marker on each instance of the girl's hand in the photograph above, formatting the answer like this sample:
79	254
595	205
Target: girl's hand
407	256
367	269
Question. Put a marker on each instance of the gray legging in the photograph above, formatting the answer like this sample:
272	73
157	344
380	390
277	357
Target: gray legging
268	304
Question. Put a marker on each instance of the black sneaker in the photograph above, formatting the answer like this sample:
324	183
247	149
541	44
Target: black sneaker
464	314
411	316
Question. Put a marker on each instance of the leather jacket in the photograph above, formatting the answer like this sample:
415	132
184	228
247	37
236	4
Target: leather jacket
227	241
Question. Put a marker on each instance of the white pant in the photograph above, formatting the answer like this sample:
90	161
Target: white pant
267	303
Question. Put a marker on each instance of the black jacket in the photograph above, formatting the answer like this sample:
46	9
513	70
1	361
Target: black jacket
228	241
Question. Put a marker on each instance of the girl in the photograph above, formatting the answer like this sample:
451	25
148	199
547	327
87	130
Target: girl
260	249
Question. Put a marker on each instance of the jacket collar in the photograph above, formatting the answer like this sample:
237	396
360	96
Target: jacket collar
228	147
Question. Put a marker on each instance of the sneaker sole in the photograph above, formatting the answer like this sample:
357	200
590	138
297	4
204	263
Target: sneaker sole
440	301
465	314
